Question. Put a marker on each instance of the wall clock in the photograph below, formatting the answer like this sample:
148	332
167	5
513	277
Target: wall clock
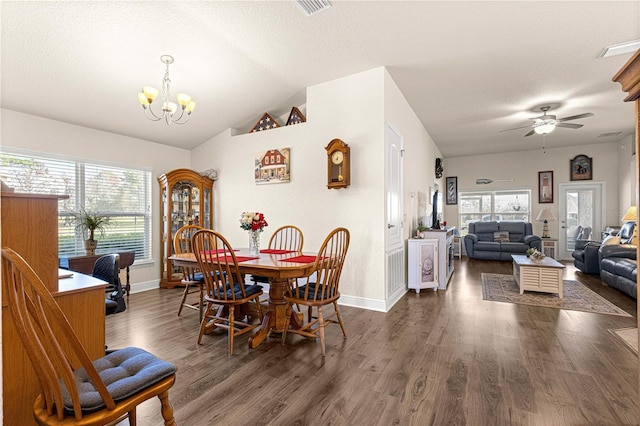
338	164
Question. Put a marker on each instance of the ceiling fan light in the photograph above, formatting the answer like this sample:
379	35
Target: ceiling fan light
545	128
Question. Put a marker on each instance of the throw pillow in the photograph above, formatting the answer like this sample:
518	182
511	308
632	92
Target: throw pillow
501	236
611	239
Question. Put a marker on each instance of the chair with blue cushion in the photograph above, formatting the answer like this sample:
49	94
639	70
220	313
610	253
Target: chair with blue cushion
225	287
102	391
191	278
326	272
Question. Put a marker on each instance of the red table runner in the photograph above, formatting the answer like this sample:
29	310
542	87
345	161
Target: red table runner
301	259
275	251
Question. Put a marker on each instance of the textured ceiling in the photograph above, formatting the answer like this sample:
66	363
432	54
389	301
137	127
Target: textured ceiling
468	69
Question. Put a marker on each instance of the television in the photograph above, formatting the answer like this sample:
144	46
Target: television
436	215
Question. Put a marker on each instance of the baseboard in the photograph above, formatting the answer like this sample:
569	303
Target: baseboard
353	301
363	303
144	286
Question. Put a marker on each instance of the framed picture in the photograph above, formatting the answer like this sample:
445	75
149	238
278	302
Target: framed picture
272	166
581	168
452	190
545	187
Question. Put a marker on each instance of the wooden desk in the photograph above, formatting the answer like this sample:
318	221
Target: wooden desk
278	272
85	264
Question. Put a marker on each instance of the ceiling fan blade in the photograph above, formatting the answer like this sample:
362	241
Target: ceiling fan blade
516	128
575	117
530	133
569	125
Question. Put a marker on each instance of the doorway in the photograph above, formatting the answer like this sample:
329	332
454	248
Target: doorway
581	206
394	246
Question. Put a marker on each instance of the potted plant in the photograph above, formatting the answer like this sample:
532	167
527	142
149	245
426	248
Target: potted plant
91	221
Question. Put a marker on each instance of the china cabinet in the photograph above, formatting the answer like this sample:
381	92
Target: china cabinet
186	198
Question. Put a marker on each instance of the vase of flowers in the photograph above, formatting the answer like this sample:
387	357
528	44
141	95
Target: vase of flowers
535	255
254	222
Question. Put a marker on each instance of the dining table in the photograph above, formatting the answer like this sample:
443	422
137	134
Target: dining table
279	266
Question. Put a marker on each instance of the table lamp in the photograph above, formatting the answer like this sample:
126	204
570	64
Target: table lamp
632	216
545	216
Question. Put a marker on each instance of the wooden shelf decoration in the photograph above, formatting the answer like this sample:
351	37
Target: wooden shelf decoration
295	117
266	122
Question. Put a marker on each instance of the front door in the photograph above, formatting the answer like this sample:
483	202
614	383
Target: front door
581	205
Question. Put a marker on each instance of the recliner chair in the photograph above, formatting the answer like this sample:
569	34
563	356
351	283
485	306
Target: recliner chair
107	268
585	256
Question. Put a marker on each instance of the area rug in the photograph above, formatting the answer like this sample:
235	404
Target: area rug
628	336
577	297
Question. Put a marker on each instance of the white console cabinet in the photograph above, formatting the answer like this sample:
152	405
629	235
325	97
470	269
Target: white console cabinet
423	264
444	254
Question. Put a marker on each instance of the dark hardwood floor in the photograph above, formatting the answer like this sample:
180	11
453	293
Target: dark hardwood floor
436	358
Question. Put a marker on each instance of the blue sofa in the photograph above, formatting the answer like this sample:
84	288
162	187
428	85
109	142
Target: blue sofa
618	264
499	240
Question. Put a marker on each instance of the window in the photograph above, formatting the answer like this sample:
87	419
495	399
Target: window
486	206
122	194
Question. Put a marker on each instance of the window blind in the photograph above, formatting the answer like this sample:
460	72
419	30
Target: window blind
122	194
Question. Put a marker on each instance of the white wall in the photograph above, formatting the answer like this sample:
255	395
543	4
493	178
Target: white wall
626	174
420	153
33	133
349	108
353	109
611	164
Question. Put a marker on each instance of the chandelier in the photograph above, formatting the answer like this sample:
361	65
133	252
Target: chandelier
149	94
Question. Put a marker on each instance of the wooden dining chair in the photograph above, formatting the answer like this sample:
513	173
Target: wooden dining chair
191	279
324	291
286	237
103	391
225	286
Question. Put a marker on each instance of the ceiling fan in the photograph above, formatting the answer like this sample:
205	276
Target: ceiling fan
546	123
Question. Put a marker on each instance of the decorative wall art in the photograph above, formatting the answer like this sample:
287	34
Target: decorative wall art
452	190
272	166
295	117
545	187
266	122
581	168
439	168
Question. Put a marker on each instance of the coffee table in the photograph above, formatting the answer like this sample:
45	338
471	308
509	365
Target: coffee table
544	276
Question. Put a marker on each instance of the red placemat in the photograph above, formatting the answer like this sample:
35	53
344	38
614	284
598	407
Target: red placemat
301	259
274	251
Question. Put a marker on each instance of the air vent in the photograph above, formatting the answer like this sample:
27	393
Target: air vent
310	7
609	134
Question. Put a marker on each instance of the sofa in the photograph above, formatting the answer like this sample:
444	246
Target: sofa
618	264
585	256
499	240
